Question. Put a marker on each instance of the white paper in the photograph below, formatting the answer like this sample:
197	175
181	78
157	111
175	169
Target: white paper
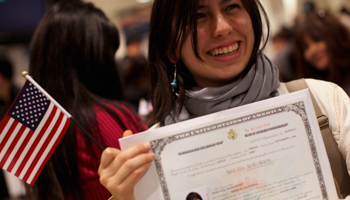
271	149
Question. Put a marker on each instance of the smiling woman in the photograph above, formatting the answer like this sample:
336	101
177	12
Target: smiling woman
204	57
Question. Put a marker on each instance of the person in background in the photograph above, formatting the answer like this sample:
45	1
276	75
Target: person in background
72	56
283	44
133	71
206	56
322	49
8	93
8	90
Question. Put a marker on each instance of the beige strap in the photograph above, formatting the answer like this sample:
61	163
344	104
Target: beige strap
337	162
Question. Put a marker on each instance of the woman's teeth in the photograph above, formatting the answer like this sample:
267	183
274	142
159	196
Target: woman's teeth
225	50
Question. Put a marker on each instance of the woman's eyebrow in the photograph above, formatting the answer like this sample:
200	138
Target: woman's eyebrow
201	6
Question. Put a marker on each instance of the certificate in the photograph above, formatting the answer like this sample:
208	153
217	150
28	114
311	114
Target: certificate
271	149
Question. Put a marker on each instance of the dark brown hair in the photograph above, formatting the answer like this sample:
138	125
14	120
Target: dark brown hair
322	26
171	21
193	195
72	58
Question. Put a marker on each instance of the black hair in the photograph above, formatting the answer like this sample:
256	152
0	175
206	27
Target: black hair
72	56
193	195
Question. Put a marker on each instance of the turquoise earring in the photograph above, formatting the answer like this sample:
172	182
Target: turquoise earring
174	83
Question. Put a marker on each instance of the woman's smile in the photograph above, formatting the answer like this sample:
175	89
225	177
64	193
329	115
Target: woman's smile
225	38
226	54
223	51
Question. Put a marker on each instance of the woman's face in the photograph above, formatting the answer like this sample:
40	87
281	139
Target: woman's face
225	38
315	53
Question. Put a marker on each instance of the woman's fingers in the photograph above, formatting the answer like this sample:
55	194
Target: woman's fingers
127	133
131	166
108	156
120	170
120	164
128	185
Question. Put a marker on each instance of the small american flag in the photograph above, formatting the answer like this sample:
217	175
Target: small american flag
30	132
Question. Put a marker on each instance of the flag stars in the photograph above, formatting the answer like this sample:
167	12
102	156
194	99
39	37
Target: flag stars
30	106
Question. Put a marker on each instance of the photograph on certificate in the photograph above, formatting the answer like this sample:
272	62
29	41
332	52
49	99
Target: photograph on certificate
267	150
194	194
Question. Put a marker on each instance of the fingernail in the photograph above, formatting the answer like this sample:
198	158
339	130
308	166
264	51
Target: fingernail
147	146
151	154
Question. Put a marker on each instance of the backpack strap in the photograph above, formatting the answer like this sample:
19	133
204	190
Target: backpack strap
337	162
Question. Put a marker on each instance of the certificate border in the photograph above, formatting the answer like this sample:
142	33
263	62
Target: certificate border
299	108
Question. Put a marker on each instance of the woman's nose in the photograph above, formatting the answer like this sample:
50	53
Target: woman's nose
221	26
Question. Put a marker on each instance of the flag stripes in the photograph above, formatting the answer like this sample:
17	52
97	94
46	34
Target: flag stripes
24	152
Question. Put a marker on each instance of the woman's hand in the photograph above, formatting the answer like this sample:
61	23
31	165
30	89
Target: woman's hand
120	170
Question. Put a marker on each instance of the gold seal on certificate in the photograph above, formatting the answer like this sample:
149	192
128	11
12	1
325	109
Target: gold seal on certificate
270	149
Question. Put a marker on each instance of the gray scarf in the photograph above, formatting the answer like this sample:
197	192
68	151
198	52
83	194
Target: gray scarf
260	83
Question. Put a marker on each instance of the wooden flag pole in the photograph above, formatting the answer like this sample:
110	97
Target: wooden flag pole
30	79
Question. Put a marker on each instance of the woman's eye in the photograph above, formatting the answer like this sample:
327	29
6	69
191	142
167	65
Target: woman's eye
200	15
231	7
